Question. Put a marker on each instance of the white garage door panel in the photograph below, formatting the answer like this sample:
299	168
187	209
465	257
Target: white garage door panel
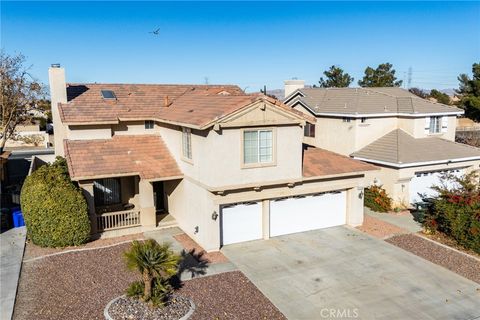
242	222
422	183
312	212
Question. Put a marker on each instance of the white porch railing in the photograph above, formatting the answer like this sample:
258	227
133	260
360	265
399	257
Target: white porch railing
118	219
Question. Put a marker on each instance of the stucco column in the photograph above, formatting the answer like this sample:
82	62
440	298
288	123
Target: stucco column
266	219
87	190
147	207
355	206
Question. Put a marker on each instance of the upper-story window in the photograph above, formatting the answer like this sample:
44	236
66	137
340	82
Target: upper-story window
257	146
363	120
309	130
149	124
347	119
187	143
435	124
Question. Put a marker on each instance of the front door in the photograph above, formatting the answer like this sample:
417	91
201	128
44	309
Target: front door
159	196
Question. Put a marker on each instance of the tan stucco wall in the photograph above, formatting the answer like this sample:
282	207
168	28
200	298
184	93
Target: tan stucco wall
222	162
371	130
132	128
89	132
193	206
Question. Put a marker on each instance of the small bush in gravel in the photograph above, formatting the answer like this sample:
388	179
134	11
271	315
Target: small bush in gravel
55	211
455	211
377	199
156	263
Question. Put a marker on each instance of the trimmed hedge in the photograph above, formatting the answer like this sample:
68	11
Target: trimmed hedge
55	211
377	199
456	210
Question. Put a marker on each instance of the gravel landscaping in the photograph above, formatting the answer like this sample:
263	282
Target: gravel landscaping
33	251
457	262
78	285
378	228
126	308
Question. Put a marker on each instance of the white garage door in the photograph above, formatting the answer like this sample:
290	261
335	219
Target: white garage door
299	214
242	222
422	183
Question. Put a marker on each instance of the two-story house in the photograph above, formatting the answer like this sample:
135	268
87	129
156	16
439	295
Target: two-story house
411	139
227	166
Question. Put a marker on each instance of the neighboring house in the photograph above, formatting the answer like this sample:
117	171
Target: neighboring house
227	166
410	138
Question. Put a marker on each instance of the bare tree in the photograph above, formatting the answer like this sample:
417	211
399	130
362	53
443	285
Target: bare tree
19	92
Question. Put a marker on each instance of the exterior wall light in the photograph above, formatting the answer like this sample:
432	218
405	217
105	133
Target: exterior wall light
360	195
214	216
196	230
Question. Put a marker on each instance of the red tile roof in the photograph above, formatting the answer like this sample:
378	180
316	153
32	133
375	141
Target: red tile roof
188	104
319	162
144	155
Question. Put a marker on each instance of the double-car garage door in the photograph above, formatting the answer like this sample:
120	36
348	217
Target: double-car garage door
243	222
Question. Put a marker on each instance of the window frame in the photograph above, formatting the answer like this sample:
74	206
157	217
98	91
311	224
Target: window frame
147	124
187	152
309	130
437	129
258	164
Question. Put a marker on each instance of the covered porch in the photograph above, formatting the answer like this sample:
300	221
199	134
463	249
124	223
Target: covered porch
126	202
123	180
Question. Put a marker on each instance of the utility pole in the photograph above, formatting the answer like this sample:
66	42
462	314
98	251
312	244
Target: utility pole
409	82
206	80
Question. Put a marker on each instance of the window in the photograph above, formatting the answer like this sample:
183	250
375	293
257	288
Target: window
346	119
363	120
187	143
149	124
106	191
435	124
309	130
257	146
108	94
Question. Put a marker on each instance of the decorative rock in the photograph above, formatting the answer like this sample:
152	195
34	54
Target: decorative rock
126	308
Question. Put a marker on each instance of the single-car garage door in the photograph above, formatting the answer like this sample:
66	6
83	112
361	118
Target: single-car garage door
241	222
291	215
422	183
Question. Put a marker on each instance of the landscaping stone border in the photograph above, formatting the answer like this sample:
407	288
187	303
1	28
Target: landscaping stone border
185	317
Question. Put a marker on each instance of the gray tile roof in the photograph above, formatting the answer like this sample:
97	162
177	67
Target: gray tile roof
364	101
400	148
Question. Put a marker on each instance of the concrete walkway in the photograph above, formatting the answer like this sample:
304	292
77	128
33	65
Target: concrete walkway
191	268
403	221
12	245
341	272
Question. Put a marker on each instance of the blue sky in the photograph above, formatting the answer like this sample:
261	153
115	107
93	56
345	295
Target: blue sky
246	43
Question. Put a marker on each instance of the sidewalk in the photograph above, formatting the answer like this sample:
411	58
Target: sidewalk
12	245
402	221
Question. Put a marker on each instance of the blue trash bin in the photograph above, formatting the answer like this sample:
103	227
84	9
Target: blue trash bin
18	219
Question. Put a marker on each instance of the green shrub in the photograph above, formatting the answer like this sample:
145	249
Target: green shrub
55	211
156	263
455	211
377	199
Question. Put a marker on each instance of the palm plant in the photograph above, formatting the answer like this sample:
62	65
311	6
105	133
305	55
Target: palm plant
153	261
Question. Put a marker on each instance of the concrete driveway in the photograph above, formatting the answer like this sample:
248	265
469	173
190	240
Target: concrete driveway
341	273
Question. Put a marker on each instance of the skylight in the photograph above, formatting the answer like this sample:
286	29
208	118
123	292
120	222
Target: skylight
108	94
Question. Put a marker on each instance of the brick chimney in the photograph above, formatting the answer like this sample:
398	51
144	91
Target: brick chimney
165	101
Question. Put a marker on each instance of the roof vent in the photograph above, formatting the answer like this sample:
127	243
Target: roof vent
108	94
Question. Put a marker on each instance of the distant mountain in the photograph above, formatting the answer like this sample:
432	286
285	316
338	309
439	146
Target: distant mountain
450	91
278	93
